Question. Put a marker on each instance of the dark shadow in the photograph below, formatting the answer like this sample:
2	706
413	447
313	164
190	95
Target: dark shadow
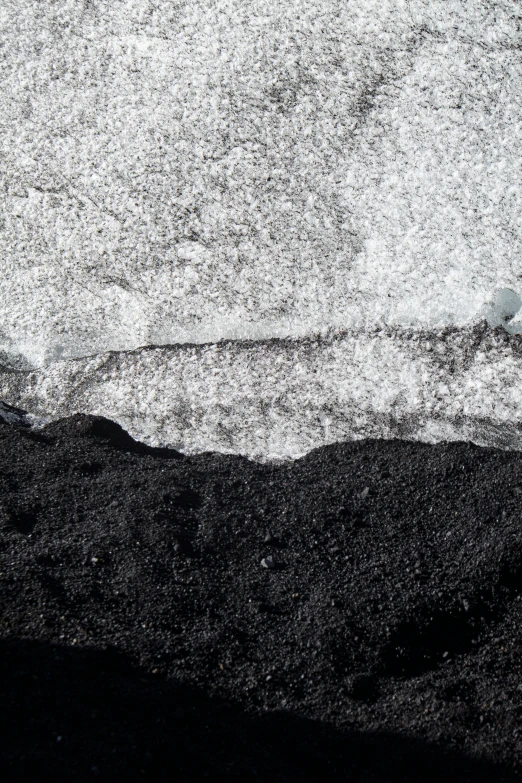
86	715
103	430
24	521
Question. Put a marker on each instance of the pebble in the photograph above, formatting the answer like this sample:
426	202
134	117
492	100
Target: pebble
268	562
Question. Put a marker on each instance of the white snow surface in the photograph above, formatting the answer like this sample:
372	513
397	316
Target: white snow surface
228	170
214	169
280	399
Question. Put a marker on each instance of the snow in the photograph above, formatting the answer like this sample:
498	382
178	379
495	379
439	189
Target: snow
186	173
279	399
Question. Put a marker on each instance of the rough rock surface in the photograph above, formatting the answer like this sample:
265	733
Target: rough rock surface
143	639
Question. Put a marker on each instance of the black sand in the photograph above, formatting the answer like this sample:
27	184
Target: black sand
144	638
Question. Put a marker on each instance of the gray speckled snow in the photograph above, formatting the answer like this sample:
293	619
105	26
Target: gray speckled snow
281	398
231	170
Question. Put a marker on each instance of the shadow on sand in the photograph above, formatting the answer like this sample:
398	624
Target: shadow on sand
84	714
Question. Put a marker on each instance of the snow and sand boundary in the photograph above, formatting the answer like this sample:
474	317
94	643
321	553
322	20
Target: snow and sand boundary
278	399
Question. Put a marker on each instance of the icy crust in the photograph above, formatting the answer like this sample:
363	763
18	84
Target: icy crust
195	171
280	399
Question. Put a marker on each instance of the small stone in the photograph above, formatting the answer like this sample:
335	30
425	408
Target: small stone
269	538
364	493
268	562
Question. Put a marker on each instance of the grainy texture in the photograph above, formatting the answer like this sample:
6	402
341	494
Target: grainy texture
279	399
180	171
143	638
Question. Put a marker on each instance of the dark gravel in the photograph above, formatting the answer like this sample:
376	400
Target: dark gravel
353	616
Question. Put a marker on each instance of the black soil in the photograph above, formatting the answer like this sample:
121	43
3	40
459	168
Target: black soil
353	616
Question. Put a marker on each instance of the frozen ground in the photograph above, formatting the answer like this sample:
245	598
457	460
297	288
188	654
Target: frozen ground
180	173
